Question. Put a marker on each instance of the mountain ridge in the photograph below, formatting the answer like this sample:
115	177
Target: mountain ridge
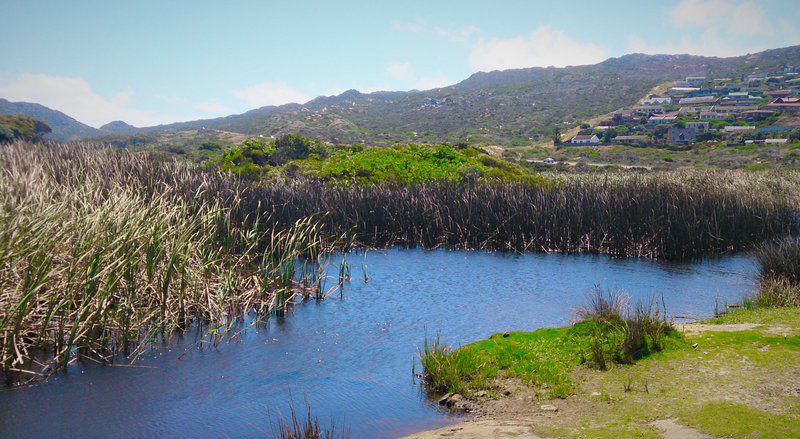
511	106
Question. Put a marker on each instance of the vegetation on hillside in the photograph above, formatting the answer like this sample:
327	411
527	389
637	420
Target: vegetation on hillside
411	163
21	127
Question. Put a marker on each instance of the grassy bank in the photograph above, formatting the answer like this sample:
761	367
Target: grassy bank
739	381
731	376
103	252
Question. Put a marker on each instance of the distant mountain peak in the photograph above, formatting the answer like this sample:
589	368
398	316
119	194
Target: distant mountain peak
119	127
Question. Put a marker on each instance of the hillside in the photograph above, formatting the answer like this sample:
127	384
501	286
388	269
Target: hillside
20	126
63	127
508	107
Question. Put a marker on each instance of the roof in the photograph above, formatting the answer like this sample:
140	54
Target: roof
583	137
699	100
621	138
785	102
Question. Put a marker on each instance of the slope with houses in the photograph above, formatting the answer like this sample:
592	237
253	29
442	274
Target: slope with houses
761	107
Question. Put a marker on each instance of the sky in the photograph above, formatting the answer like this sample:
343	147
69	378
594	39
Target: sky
150	62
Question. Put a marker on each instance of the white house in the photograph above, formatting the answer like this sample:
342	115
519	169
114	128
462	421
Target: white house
585	139
656	100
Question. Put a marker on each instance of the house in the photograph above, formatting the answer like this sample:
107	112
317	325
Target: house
695	81
775	141
733	129
656	100
700	127
631	140
689	110
622	117
784	104
779	93
699	100
660	119
647	110
711	115
753	115
585	139
681	135
683	91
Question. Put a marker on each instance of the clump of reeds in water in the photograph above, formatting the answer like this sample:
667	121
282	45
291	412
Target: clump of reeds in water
306	427
102	252
779	278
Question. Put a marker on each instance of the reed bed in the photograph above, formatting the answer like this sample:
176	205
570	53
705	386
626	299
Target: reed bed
100	256
665	215
779	277
102	250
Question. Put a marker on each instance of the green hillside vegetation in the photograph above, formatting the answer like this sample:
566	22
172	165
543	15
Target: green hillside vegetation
408	163
19	126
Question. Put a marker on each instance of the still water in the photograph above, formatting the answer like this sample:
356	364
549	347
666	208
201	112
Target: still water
351	357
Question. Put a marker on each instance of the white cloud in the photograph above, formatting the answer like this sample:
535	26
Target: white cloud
735	18
543	47
456	35
270	93
75	97
172	99
398	69
715	28
213	108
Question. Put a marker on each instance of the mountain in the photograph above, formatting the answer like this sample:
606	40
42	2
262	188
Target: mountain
498	107
119	127
506	107
63	127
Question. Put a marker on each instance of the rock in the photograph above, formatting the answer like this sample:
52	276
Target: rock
507	393
694	346
595	393
548	408
481	394
444	399
506	334
451	399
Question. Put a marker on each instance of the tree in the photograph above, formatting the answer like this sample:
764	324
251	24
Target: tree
556	136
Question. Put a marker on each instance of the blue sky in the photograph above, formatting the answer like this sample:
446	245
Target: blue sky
149	62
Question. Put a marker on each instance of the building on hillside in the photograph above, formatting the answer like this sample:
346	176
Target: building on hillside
683	91
623	117
779	93
711	115
647	110
691	111
660	119
699	100
656	100
585	139
677	135
734	129
754	115
775	141
784	104
631	140
696	81
700	127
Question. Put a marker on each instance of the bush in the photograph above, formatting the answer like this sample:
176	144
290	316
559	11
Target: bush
779	277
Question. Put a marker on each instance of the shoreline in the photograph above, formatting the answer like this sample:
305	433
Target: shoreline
594	409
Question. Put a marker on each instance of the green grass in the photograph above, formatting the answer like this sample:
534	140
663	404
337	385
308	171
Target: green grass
733	384
543	358
727	419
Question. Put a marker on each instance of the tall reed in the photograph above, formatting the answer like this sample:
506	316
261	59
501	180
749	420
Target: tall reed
101	253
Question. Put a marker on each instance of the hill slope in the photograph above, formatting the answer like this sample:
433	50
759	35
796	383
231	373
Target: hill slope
507	107
63	127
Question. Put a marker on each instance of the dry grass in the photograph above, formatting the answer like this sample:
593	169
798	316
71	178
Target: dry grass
103	252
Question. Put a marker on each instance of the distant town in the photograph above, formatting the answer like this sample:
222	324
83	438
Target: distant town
744	110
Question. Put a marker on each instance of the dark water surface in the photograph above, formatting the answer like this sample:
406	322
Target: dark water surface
352	357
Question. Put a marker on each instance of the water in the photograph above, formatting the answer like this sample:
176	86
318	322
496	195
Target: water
351	358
